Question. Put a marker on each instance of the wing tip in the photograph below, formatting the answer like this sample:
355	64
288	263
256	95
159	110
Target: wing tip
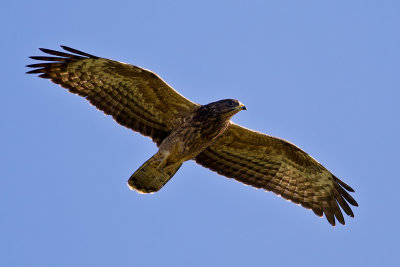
78	52
343	184
45	50
35	71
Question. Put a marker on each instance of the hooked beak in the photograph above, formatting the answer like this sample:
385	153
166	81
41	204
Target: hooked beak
241	107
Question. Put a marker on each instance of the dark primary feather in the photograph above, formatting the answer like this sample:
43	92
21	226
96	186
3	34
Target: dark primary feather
69	49
134	97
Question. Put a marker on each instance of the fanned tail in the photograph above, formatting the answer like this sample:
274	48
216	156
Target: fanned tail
149	179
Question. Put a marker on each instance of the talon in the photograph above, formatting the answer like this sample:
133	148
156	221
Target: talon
161	163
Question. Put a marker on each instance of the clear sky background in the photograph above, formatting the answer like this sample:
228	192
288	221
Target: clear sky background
322	74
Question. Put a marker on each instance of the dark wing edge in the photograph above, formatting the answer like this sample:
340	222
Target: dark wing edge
135	97
273	164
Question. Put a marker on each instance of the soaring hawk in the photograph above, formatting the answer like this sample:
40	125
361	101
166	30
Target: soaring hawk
140	100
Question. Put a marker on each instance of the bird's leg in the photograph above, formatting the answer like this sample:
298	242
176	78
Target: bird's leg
161	164
172	167
161	160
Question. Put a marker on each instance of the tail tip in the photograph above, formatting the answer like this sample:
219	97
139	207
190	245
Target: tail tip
143	191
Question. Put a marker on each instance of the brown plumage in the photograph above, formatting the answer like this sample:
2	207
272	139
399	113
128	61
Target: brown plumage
142	101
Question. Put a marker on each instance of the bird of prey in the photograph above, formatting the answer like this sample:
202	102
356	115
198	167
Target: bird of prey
140	100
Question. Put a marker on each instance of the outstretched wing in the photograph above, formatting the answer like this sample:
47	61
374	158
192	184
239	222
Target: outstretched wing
276	165
134	97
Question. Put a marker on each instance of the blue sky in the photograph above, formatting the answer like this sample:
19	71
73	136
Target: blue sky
324	75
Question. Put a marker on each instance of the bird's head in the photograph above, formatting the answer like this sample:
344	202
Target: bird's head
225	107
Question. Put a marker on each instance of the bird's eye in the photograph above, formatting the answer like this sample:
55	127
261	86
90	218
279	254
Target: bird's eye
231	103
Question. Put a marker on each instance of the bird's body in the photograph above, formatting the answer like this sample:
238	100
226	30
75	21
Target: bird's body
195	133
140	100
